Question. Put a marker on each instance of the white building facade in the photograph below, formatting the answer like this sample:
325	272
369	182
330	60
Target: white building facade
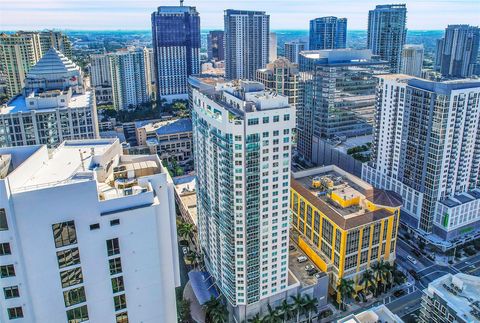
53	107
425	148
242	141
114	259
412	60
293	49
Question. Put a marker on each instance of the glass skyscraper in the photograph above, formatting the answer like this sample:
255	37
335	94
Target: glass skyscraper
387	33
176	47
328	33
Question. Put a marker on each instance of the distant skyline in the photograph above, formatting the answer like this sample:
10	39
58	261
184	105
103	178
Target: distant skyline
291	14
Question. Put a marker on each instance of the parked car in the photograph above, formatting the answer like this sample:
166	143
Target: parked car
318	275
292	247
412	260
301	259
417	253
184	250
309	267
312	271
414	274
399	293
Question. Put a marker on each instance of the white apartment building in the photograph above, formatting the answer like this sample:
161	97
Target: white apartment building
412	60
54	106
272	51
101	78
129	81
292	50
426	148
86	234
242	138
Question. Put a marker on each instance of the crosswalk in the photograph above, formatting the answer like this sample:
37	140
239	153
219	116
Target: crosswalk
410	289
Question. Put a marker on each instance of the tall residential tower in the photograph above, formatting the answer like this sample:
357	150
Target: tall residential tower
242	142
412	60
387	33
247	42
328	33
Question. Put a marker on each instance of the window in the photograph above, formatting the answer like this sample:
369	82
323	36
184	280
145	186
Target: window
120	302
74	296
266	119
68	257
15	313
11	292
253	121
286	117
95	226
78	314
115	222
71	277
7	271
64	234
122	317
115	265
5	249
3	220
113	247
117	284
276	118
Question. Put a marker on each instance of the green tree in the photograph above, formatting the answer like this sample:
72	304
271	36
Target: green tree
215	311
185	230
255	319
367	280
273	316
286	310
183	309
298	303
346	290
310	307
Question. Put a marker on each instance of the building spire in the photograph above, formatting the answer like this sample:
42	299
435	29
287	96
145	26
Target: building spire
181	3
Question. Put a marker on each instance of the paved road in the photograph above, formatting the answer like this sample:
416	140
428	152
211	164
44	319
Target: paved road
406	304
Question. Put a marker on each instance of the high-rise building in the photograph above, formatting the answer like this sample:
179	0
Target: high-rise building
176	47
57	40
457	52
18	53
346	223
54	106
242	141
21	50
338	97
426	147
92	228
412	60
129	84
247	43
451	298
387	33
328	33
216	45
148	58
101	78
272	49
292	50
282	77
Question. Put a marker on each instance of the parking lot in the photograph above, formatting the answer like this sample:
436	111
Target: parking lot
298	269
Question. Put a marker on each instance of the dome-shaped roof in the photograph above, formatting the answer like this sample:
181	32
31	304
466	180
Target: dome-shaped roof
52	62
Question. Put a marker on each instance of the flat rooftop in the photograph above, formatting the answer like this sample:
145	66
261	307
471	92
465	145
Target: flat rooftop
18	103
377	314
185	188
461	292
169	127
321	185
298	269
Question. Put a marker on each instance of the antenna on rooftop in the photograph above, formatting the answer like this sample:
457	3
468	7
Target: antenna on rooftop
181	3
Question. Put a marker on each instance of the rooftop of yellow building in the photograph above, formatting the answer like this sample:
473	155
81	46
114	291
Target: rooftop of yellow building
344	198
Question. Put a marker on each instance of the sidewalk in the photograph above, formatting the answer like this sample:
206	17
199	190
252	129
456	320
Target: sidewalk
196	310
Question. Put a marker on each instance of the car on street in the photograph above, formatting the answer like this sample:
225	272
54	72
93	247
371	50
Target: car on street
312	271
412	260
292	247
414	274
399	293
417	253
184	250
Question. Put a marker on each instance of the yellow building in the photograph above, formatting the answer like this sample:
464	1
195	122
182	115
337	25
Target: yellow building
342	223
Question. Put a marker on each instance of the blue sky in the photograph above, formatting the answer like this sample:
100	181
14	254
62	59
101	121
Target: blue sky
285	14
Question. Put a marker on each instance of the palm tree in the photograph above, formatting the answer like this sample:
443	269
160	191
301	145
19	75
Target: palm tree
398	276
310	305
272	317
185	229
298	303
255	319
286	310
377	273
387	275
346	290
215	311
367	280
192	256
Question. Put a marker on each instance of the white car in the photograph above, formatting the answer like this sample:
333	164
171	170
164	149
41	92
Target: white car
308	267
185	250
412	260
301	259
